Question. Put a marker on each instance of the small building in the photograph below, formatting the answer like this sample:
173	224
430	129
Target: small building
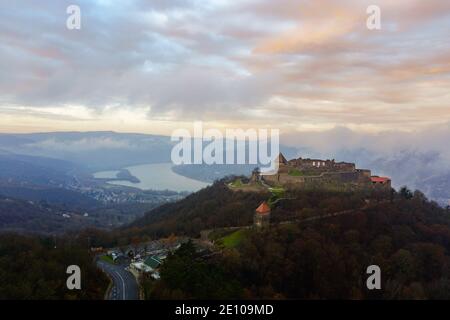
262	215
149	265
153	262
141	267
381	181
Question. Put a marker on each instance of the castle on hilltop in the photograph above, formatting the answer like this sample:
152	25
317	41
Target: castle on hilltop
316	172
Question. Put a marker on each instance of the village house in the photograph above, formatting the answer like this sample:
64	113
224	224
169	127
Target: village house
150	265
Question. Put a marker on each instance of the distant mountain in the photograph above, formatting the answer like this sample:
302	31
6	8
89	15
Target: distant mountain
437	187
52	195
96	151
25	169
27	216
103	150
418	170
41	179
62	186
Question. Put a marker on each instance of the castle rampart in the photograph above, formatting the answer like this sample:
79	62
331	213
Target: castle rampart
315	172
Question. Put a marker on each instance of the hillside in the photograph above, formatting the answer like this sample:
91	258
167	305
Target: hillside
35	170
27	216
97	150
59	196
408	238
217	206
214	206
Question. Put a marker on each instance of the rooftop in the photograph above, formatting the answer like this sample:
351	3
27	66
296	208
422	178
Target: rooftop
380	179
153	262
263	208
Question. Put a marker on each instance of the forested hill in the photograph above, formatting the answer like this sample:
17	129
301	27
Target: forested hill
408	238
214	206
29	217
217	206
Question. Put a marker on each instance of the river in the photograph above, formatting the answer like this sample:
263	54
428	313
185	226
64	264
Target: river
155	176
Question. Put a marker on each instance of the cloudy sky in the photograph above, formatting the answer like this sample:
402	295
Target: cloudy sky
157	65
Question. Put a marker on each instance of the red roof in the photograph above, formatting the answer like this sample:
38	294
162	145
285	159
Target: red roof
380	179
263	208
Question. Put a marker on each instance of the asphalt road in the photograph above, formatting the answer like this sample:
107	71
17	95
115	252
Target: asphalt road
124	283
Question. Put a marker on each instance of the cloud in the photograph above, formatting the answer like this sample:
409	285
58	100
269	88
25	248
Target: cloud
429	140
419	159
289	63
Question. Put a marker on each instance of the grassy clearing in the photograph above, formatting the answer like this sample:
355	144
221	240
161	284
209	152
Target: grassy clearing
236	183
277	193
217	234
233	240
295	173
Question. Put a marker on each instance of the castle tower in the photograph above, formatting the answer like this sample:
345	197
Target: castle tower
281	159
282	166
262	215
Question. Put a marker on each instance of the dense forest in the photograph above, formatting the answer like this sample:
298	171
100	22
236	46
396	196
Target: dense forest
408	238
35	268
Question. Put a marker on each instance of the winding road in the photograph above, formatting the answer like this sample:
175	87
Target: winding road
124	286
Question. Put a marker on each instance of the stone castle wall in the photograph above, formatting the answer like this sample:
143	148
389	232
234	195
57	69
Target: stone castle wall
320	165
320	173
361	177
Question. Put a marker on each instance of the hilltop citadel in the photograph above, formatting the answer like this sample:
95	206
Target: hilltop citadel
317	173
309	174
